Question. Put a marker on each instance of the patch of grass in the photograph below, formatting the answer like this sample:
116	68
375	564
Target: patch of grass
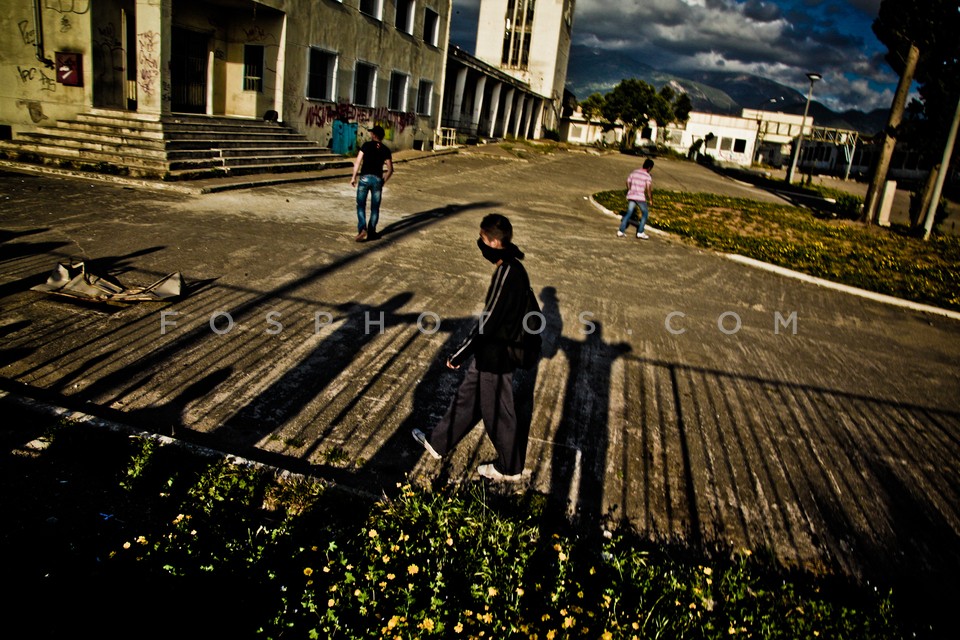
887	261
156	537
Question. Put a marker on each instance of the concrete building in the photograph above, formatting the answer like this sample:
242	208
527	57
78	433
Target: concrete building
307	63
481	101
726	139
530	41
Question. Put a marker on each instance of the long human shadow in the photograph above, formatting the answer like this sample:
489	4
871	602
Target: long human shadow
244	309
399	453
578	465
304	381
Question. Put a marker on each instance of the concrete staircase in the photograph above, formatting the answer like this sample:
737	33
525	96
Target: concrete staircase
170	147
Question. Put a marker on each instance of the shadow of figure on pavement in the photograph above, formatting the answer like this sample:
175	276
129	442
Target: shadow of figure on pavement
302	382
578	465
399	453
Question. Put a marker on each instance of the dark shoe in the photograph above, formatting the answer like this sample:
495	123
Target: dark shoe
362	235
372	234
421	437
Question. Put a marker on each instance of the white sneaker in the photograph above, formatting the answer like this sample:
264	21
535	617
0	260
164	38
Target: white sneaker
621	234
643	236
421	437
490	472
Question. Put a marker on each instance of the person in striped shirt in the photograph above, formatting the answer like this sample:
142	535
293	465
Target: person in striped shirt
639	194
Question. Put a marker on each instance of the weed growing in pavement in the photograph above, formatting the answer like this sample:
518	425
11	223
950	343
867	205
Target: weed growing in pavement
887	261
291	557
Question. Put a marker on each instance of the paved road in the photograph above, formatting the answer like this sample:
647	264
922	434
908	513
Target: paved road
698	399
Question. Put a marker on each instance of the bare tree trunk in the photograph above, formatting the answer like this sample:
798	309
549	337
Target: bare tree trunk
882	164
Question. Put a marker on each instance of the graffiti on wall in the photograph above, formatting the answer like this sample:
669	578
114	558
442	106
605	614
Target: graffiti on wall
27	34
148	61
35	74
320	115
68	6
109	49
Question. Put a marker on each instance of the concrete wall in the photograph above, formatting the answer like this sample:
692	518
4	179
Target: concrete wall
30	93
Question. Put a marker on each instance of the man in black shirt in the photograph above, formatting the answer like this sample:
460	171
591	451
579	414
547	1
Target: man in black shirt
371	170
487	388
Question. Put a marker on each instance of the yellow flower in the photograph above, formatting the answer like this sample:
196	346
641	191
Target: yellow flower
519	591
393	622
459	627
331	602
356	593
562	557
126	545
390	576
326	569
606	636
142	540
427	624
413	569
372	533
491	591
386	558
568	622
551	634
449	542
308	571
488	618
708	571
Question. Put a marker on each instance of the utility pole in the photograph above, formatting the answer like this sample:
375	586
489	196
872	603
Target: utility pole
813	77
942	175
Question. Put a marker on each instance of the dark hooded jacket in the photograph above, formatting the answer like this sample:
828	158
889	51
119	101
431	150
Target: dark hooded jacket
501	322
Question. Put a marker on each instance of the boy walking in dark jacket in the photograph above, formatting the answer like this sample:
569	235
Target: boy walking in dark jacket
487	389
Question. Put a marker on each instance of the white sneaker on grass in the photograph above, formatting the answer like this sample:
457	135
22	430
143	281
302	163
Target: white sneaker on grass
620	234
421	437
643	236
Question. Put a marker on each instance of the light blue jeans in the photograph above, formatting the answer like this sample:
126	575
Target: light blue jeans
631	207
374	186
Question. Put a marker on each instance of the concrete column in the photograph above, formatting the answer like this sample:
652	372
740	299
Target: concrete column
494	107
478	103
507	110
154	35
458	92
519	130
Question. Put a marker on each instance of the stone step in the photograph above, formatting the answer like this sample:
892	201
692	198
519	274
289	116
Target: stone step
171	147
26	152
78	139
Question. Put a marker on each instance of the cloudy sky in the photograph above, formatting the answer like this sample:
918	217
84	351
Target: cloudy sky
778	39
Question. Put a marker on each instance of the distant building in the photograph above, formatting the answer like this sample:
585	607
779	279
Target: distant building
530	41
726	139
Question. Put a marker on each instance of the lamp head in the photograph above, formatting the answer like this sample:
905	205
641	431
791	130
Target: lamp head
814	77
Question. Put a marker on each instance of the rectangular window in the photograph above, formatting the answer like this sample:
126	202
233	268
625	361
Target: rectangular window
321	75
425	97
710	143
364	84
725	144
405	13
253	67
372	8
431	27
739	145
398	92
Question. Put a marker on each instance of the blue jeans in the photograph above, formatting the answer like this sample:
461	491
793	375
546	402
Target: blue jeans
374	186
631	207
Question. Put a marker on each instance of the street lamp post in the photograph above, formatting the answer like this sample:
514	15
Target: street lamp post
813	77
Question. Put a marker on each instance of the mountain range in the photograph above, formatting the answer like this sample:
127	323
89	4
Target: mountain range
593	70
